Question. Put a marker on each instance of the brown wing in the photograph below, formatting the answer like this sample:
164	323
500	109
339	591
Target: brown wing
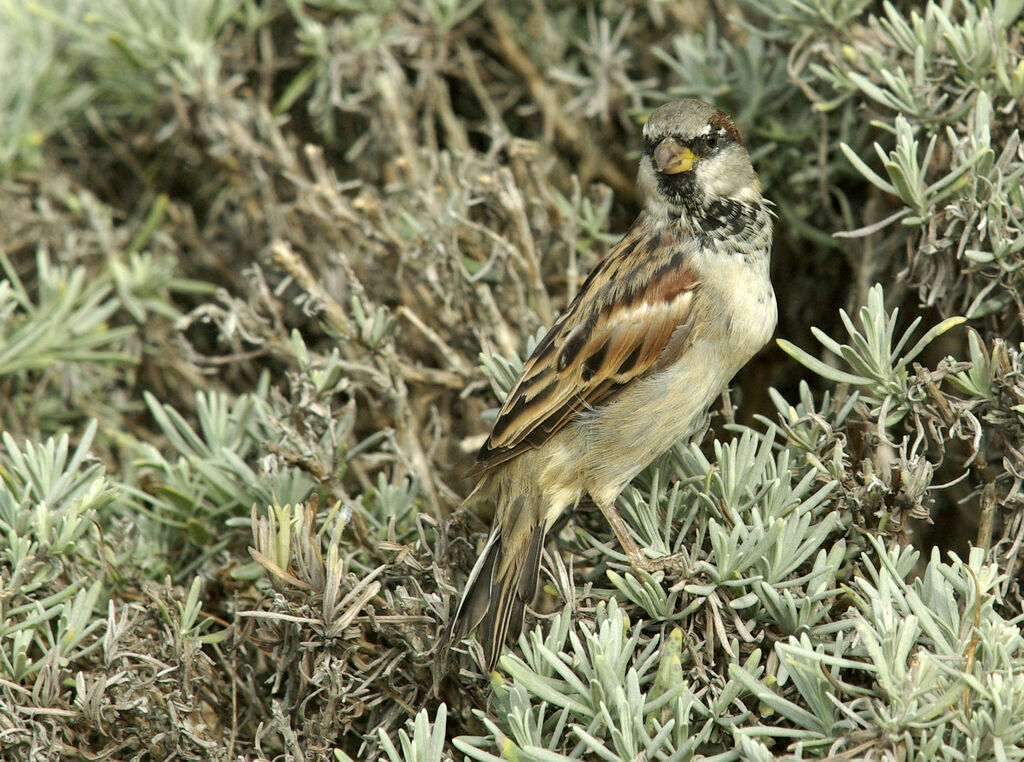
613	333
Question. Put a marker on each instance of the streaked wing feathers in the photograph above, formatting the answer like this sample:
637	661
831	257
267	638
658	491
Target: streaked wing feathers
613	333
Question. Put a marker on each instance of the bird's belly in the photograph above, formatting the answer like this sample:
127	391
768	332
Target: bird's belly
644	421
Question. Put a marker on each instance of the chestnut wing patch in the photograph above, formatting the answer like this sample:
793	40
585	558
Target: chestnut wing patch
595	351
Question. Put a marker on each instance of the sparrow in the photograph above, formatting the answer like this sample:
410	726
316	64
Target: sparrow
655	333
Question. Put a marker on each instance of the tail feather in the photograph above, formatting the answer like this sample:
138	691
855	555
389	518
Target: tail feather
494	628
496	595
530	575
473	603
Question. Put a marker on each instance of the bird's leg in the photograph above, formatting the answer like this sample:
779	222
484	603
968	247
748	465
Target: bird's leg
637	559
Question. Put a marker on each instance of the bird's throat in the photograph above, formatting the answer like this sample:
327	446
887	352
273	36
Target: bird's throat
680	197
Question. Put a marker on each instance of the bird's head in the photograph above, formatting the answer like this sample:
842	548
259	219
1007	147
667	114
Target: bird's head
693	156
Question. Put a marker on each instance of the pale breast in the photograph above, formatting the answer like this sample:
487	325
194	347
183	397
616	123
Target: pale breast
738	316
749	313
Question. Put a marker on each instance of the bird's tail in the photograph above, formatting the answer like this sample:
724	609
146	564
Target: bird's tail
503	581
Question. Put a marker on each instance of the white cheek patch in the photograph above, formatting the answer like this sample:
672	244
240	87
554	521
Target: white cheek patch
712	178
726	176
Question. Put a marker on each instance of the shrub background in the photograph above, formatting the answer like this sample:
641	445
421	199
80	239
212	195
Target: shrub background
268	267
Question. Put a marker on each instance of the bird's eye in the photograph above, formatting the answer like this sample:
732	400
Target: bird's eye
711	141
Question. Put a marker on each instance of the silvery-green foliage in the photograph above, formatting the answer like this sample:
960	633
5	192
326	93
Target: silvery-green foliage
942	78
65	321
426	744
599	693
133	46
880	363
811	427
51	498
796	17
979	380
38	93
200	484
926	662
908	175
601	71
747	524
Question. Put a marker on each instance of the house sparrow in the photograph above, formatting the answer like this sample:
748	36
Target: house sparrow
658	329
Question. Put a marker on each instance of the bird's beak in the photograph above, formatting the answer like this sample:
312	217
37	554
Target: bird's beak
671	157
